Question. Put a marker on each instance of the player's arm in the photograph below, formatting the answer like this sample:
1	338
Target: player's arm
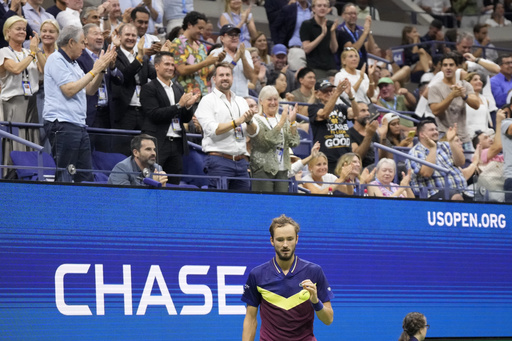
250	323
326	315
323	309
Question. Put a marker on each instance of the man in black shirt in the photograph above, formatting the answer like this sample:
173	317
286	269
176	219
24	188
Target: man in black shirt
363	133
318	36
328	120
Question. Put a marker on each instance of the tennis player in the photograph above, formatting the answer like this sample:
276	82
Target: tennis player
288	290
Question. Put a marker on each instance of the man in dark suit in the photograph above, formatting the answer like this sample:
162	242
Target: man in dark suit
98	113
290	20
97	104
166	107
273	7
136	68
14	8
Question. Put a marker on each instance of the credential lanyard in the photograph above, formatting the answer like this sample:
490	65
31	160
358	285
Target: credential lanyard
354	37
386	103
232	118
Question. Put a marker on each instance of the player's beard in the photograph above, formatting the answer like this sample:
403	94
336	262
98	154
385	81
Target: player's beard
281	256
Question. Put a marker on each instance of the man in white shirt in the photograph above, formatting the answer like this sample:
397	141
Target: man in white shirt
226	119
71	15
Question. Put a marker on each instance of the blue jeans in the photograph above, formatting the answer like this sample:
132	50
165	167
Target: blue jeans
508	187
70	146
219	166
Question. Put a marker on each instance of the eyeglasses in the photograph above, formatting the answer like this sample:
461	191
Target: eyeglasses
233	35
350	49
427	326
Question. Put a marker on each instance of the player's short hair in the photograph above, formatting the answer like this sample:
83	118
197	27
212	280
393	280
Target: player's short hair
281	221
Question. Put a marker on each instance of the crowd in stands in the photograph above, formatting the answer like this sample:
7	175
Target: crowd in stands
253	96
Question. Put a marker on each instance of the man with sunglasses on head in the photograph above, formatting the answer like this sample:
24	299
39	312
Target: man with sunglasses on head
238	57
349	34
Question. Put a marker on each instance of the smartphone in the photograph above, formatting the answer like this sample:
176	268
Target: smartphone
373	117
411	134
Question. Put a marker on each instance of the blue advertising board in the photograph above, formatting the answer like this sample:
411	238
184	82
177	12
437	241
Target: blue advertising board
110	263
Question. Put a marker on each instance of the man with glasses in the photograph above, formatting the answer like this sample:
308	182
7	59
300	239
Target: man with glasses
318	36
328	120
238	57
501	84
349	34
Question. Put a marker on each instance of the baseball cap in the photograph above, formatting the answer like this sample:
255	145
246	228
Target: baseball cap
279	49
385	80
426	77
390	117
323	85
228	28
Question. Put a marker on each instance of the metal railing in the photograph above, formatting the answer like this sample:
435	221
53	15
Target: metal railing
442	170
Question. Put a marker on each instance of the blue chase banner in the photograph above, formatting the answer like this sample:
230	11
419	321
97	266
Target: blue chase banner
108	263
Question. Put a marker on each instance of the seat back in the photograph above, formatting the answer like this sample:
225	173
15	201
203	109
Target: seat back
306	143
30	159
193	164
105	161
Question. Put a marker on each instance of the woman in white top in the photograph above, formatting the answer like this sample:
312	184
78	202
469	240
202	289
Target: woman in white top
477	119
318	172
19	78
362	87
49	33
234	15
497	18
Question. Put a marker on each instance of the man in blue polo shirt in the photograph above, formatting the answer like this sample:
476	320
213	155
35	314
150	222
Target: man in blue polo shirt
65	104
288	290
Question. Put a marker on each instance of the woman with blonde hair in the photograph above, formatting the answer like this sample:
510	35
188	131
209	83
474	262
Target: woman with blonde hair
363	85
49	33
270	156
348	169
324	182
20	71
244	20
260	42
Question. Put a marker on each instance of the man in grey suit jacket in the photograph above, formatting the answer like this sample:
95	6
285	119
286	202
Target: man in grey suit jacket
140	165
166	108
